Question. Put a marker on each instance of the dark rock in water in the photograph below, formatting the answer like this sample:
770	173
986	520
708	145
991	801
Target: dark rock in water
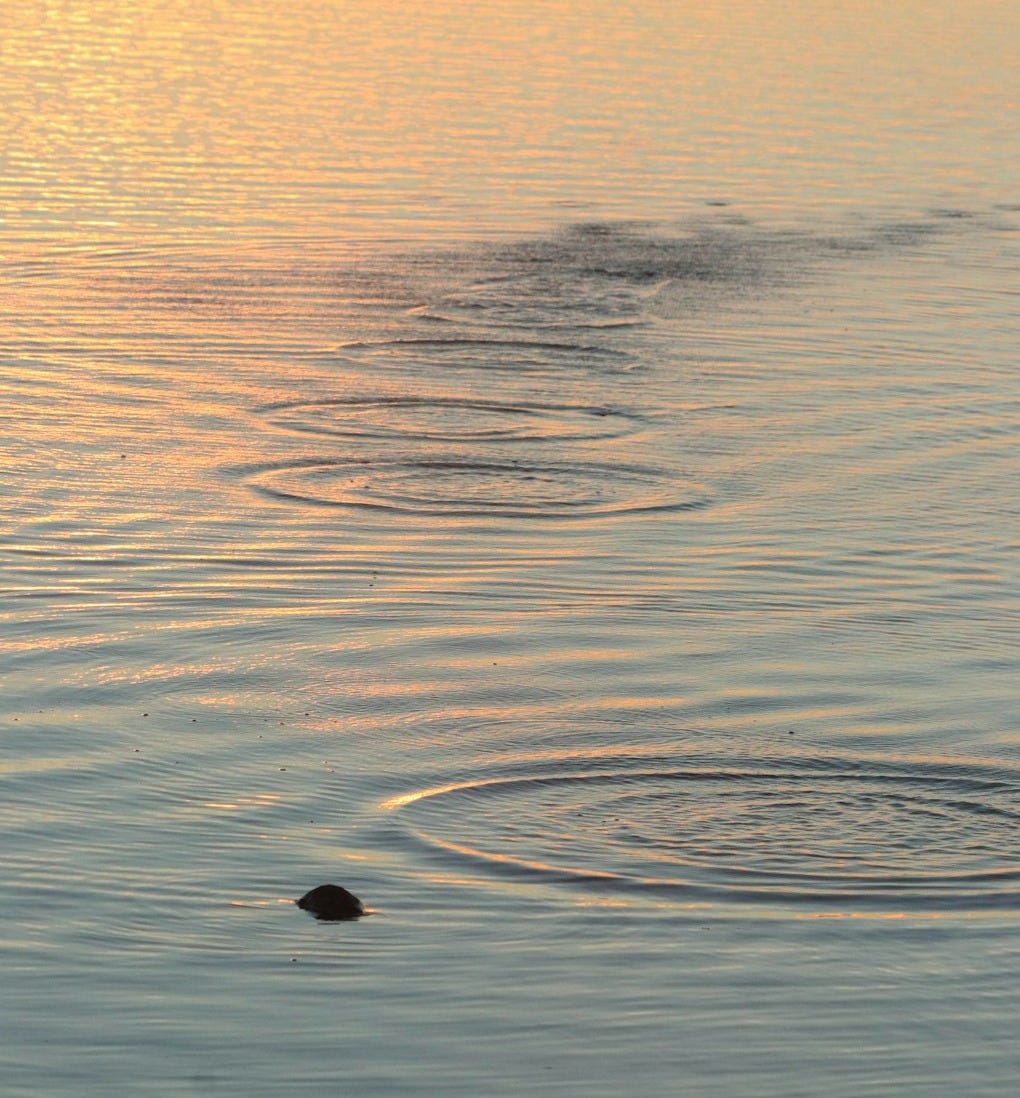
331	902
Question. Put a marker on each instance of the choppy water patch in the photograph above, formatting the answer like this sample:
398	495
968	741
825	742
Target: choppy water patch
598	277
555	300
446	419
510	489
912	835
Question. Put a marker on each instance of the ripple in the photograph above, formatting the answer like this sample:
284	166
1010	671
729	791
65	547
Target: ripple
446	419
506	489
918	835
466	354
556	301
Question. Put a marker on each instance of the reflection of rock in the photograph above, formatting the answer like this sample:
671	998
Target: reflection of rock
331	902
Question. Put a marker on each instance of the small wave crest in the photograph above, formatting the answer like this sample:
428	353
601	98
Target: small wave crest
446	419
908	836
507	489
518	356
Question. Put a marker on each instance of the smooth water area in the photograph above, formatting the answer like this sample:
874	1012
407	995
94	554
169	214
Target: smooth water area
551	472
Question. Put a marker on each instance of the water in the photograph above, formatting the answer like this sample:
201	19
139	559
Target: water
550	472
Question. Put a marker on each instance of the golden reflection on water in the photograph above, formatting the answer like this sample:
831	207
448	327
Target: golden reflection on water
211	210
258	118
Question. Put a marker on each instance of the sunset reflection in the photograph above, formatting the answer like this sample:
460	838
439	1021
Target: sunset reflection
546	470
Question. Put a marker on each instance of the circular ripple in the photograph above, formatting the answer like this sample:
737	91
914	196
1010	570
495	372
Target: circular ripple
505	489
902	837
521	356
554	301
446	419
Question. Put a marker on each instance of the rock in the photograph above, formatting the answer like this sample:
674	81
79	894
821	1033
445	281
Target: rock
331	902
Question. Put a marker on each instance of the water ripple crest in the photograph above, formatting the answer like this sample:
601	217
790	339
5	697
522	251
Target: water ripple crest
446	419
843	833
506	489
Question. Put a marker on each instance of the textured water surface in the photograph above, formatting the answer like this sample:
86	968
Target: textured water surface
580	520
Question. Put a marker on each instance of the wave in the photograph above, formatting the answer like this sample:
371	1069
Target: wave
855	834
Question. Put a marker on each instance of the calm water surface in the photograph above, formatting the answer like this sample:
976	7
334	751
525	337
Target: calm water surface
550	471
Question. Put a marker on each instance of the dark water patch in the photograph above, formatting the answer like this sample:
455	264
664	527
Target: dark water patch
954	213
640	255
553	300
447	419
598	274
561	490
914	835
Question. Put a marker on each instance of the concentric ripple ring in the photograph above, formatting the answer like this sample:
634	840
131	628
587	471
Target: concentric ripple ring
918	835
505	489
520	356
447	419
